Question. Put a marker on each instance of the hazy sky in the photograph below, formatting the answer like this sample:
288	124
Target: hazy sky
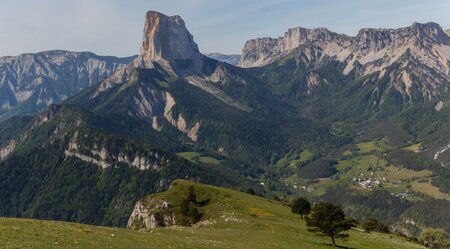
114	27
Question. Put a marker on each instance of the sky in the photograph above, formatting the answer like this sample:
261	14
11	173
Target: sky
114	27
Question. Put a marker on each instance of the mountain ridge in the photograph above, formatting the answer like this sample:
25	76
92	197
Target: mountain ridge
420	55
232	59
297	36
30	82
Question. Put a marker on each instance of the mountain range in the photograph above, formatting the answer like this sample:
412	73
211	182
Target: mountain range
232	59
414	60
30	82
301	114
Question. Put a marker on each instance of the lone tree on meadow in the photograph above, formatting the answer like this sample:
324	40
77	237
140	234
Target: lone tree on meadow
329	220
301	206
188	207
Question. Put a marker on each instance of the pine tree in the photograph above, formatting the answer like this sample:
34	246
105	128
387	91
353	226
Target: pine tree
329	219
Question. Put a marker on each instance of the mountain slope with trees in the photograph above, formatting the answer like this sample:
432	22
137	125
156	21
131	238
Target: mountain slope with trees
298	125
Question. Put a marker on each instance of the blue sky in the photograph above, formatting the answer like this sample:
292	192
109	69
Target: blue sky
114	27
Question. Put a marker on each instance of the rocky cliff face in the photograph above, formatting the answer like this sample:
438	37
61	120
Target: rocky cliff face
96	150
425	42
262	51
30	82
369	45
166	38
167	42
421	51
7	149
151	212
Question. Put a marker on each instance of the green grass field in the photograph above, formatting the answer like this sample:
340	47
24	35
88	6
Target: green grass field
196	157
231	220
414	147
394	174
372	146
430	190
292	160
306	155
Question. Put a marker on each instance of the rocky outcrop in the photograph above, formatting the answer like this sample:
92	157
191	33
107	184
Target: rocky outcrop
166	38
98	152
151	212
166	41
157	106
30	82
120	76
7	149
179	122
262	51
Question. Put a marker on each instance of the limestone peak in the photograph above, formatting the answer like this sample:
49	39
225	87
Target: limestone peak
165	38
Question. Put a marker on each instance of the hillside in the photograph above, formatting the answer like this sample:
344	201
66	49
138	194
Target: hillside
82	174
236	220
299	125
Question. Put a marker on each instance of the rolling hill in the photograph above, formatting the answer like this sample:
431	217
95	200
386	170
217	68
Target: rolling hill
231	220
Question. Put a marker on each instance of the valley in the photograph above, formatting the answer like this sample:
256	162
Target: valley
359	121
365	169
